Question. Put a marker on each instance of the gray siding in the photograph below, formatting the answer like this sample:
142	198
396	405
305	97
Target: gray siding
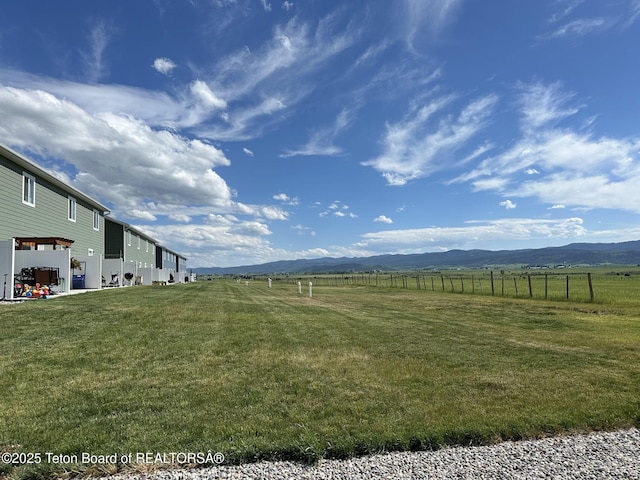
49	217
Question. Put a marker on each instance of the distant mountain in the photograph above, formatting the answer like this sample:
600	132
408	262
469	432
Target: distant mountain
624	253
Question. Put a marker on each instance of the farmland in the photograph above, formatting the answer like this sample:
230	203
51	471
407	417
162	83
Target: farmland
253	372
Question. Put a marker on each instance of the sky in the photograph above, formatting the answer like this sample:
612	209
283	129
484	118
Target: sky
239	132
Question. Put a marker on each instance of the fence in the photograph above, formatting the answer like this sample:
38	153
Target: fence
580	286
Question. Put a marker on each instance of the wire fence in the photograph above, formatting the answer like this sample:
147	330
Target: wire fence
582	286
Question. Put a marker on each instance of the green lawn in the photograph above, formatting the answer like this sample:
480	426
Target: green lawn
257	372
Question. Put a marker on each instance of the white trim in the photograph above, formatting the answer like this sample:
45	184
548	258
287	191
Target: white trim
30	181
72	208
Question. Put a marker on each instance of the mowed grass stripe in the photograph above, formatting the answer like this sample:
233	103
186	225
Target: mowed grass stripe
257	372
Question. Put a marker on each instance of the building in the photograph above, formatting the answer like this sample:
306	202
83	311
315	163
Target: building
47	225
172	263
134	252
44	223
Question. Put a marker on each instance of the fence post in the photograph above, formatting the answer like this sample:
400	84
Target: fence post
590	286
493	290
515	284
530	289
546	285
567	287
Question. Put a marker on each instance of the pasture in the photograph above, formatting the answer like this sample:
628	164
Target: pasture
257	373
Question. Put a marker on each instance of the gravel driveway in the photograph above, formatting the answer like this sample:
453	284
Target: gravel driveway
597	456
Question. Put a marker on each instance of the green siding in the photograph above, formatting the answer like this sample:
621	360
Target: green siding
145	255
49	217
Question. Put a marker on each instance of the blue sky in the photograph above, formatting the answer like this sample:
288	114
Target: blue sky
245	131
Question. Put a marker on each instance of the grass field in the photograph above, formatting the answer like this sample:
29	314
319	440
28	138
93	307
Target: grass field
265	373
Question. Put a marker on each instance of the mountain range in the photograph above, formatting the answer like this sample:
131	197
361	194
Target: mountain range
623	253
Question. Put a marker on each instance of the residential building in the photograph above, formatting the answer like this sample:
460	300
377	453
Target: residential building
45	222
36	204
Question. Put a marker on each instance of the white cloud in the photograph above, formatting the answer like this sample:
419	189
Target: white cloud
321	140
541	104
280	73
556	206
579	28
286	199
301	230
247	151
287	5
178	217
99	38
266	5
337	209
508	204
580	170
428	17
414	148
382	219
128	163
473	235
206	97
163	65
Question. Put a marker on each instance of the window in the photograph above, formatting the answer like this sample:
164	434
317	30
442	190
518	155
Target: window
138	243
129	238
146	246
96	220
90	252
72	209
28	189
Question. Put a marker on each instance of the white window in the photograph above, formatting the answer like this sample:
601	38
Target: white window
72	209
146	246
138	243
28	189
129	238
90	252
96	220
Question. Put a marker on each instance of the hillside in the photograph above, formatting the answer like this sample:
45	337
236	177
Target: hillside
624	253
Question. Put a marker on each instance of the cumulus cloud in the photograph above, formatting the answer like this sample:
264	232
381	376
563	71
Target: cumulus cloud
123	160
163	65
286	199
508	204
301	230
337	209
382	219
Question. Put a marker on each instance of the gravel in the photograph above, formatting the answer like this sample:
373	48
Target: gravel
597	456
